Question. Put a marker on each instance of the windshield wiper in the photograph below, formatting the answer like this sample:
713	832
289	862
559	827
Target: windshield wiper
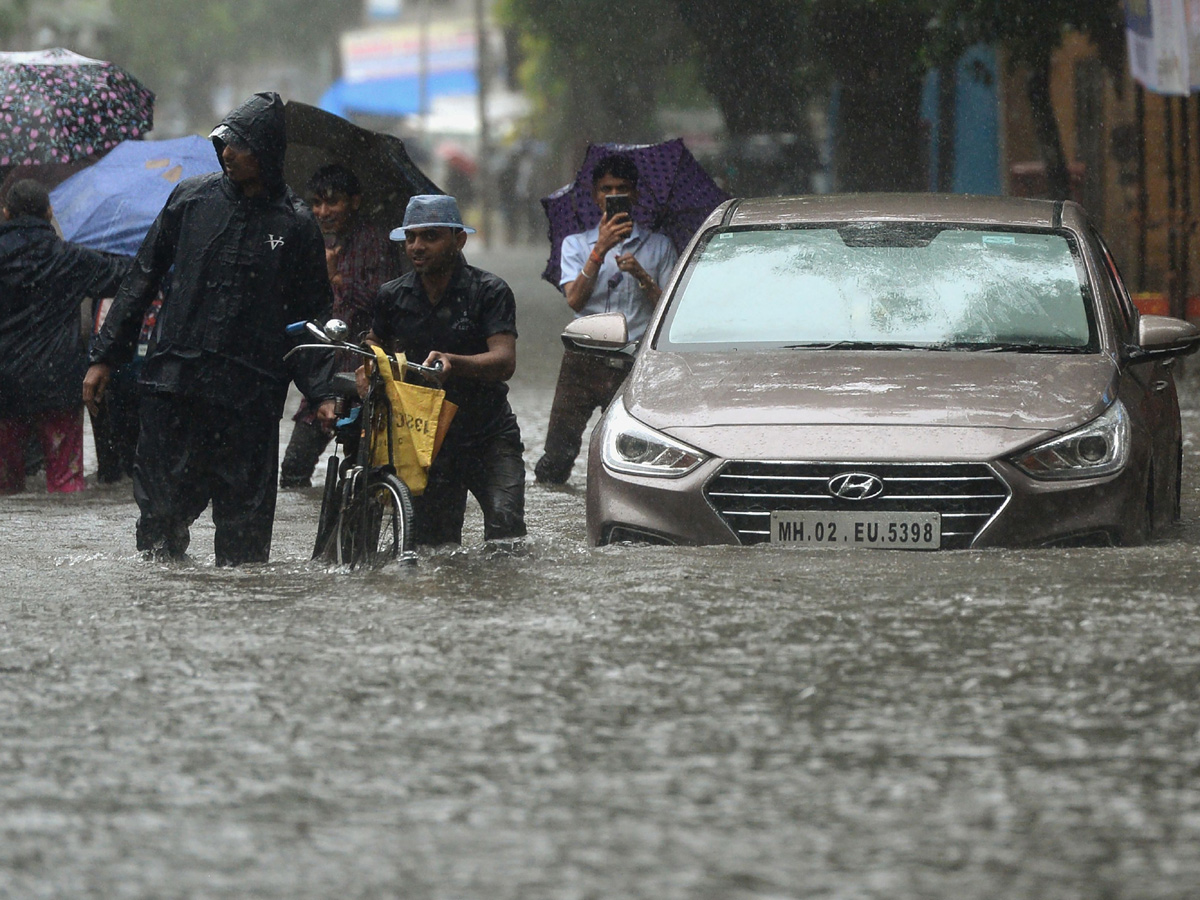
1021	348
970	346
863	345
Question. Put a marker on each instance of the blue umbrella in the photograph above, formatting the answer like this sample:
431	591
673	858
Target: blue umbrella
111	205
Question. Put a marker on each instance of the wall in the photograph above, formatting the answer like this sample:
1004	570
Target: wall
1127	149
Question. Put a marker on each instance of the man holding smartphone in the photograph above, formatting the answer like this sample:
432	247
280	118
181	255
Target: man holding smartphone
615	267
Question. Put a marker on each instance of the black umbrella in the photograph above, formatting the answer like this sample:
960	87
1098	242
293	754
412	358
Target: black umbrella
382	164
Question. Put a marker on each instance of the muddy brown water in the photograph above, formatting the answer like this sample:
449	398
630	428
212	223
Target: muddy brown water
574	722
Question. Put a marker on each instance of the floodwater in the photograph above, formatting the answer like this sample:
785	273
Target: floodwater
578	723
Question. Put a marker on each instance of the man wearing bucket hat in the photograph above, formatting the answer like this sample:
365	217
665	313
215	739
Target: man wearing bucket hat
450	313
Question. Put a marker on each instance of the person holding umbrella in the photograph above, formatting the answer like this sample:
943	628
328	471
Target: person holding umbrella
247	259
618	266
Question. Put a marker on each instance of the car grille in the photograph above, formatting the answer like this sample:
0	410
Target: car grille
745	493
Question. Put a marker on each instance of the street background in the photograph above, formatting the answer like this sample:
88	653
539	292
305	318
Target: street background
581	723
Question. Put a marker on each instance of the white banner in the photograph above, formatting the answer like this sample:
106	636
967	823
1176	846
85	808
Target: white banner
1191	9
1160	50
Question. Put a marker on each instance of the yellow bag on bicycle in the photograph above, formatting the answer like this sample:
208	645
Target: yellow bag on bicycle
419	419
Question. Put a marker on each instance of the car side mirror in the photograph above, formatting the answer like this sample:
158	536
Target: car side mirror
1163	336
603	333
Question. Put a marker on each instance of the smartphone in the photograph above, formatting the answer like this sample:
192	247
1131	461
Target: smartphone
617	203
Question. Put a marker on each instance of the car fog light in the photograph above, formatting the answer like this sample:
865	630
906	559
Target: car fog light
633	448
1100	447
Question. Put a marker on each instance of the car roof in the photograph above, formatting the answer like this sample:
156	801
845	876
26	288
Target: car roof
963	209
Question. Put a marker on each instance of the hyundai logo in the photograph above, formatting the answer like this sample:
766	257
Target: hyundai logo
854	486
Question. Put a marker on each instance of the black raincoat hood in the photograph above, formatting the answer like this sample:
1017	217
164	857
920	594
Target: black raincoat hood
259	124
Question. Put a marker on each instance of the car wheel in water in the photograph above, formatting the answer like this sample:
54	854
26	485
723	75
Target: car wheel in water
1140	528
1177	511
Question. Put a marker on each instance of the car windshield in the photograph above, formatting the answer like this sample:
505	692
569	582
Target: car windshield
882	286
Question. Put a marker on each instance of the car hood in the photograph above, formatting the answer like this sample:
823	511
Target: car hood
935	403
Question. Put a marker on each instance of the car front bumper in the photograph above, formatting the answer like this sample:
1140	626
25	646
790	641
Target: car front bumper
1034	512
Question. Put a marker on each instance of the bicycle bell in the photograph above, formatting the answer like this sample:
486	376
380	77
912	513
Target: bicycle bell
336	330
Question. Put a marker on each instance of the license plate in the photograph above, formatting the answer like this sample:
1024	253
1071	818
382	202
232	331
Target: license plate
895	531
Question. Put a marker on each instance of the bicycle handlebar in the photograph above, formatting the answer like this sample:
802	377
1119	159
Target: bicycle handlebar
328	343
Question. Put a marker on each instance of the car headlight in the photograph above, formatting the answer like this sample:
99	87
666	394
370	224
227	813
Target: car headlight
633	448
1100	447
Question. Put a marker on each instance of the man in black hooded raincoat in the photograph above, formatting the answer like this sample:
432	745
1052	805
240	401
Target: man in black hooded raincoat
247	259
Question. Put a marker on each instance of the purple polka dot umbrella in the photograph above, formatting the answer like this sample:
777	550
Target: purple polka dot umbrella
675	195
58	107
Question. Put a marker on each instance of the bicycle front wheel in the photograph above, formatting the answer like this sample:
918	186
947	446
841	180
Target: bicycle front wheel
376	525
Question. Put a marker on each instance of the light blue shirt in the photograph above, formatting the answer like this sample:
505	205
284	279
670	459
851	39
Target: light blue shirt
652	250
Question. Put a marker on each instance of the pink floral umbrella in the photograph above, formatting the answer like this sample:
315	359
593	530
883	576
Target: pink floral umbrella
57	107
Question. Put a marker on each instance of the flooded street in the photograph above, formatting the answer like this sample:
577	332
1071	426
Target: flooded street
579	723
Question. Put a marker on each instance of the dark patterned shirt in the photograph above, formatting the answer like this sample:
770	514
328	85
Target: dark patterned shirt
475	306
368	260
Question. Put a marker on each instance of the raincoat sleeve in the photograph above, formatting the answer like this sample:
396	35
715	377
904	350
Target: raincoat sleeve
313	299
91	273
118	337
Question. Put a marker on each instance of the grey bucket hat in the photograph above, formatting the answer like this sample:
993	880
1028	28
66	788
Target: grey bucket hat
431	211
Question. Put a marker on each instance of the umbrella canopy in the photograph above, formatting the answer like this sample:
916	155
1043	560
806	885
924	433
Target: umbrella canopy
380	161
111	205
57	107
675	194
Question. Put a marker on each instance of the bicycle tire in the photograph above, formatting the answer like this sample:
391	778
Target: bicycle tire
344	531
375	527
329	509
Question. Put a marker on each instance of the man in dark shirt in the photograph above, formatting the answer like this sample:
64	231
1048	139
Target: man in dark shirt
449	313
247	259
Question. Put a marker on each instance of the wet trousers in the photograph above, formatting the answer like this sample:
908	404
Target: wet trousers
191	452
493	472
115	428
584	383
60	433
304	449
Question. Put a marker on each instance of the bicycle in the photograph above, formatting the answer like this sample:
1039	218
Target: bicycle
366	511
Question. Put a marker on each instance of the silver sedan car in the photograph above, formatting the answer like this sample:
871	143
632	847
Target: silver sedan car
890	371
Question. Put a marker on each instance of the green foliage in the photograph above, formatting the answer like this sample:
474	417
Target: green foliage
170	42
12	16
604	70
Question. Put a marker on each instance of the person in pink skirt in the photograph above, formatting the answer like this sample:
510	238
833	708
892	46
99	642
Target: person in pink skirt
43	283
